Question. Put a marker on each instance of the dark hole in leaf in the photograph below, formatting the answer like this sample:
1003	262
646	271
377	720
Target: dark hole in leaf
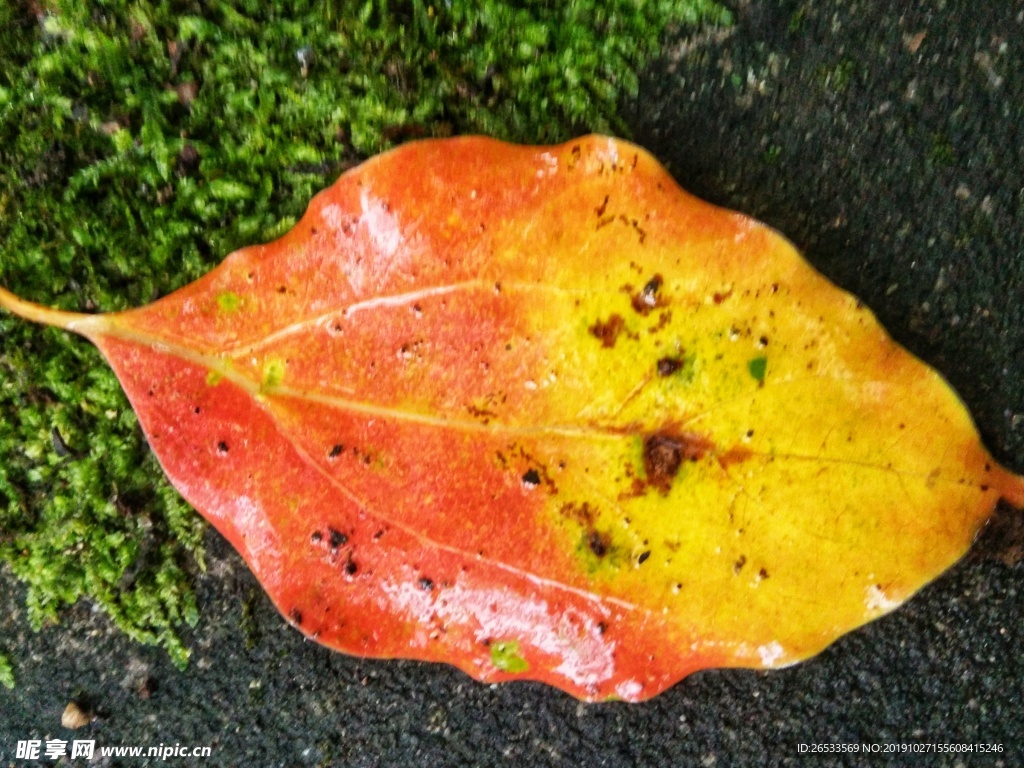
222	447
336	451
669	365
598	543
338	539
647	298
426	584
531	478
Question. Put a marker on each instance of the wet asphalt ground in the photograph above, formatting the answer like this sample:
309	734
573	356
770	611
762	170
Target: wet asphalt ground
885	140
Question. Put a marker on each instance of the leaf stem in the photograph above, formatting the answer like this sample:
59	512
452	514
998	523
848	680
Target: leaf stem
1013	493
40	314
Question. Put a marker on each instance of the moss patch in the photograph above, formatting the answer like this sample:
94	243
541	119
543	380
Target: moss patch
6	672
141	142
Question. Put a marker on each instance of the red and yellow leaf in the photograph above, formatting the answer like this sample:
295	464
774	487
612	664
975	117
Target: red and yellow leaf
539	413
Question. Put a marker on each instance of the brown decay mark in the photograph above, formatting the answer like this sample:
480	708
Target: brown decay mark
608	330
536	470
485	411
598	542
664	318
483	414
665	451
339	448
574	157
603	220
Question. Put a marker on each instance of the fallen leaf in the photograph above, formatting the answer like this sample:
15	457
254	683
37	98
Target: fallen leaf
75	717
913	42
539	413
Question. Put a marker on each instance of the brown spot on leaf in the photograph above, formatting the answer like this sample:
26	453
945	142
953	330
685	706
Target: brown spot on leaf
584	514
608	330
662	458
295	615
720	297
663	320
574	157
734	455
664	453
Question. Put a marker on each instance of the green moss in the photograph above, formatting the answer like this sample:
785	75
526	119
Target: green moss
942	153
840	77
6	672
141	142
